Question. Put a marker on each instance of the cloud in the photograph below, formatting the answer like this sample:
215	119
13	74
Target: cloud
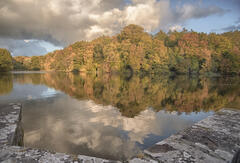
235	3
232	27
176	28
188	11
65	21
23	47
88	127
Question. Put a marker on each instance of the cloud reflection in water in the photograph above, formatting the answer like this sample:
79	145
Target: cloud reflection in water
83	127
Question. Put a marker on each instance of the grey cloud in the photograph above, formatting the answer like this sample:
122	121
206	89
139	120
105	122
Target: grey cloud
22	48
235	3
65	21
190	11
238	21
232	27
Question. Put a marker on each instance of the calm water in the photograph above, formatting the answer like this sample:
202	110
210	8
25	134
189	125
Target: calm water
111	116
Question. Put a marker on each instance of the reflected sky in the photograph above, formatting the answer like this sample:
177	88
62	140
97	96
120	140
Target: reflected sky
22	92
109	117
84	127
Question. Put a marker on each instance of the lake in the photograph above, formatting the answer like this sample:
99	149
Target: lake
111	116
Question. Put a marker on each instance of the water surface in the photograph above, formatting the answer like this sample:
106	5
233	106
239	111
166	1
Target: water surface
111	116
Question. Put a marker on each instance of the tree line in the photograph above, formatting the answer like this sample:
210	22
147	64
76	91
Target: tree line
134	50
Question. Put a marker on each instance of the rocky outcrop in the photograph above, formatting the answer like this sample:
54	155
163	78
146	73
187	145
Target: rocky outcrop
11	132
214	139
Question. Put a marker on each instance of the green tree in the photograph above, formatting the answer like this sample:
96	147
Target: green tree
6	63
186	52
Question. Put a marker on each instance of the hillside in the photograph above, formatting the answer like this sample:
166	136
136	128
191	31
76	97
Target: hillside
134	50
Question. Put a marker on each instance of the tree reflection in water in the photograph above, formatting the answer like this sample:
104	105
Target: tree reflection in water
181	93
111	117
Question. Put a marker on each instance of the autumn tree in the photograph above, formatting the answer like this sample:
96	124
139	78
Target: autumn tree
6	63
134	50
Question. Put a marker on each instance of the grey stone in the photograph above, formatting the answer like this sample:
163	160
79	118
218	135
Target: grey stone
214	139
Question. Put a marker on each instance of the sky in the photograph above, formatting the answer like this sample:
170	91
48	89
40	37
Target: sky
36	27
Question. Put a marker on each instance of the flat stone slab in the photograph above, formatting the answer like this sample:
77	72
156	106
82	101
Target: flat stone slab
20	154
214	139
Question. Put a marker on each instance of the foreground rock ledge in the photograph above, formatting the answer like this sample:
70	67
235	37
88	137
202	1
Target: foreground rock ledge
214	139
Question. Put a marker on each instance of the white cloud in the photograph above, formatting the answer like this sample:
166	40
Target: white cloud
66	21
176	28
102	129
26	41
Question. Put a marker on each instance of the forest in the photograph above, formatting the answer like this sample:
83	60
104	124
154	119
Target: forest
135	51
